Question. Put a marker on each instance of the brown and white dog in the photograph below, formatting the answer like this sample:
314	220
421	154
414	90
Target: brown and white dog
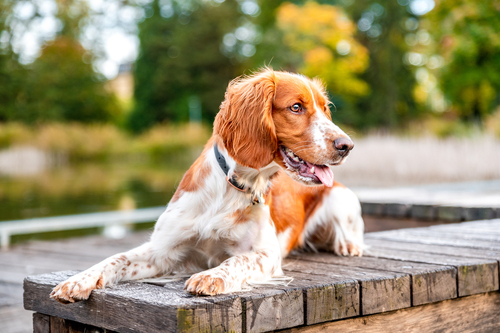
247	201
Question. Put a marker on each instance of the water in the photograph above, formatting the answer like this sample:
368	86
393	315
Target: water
91	187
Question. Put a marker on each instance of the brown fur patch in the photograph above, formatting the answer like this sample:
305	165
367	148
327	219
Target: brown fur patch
245	122
292	204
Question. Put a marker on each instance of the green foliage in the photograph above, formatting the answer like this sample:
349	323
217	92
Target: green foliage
70	93
390	102
11	72
59	85
468	32
180	57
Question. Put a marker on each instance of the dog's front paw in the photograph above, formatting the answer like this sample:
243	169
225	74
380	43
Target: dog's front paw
78	287
350	249
206	283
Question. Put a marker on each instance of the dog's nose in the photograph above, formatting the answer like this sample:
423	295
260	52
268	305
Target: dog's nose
343	146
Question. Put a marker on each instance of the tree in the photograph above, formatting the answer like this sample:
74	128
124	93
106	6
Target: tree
324	37
181	58
72	92
11	72
469	42
58	85
381	28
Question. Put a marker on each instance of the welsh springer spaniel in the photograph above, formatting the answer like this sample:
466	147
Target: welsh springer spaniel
248	200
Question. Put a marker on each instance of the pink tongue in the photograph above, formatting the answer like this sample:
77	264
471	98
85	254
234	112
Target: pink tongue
324	174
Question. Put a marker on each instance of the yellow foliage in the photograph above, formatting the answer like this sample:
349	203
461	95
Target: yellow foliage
324	36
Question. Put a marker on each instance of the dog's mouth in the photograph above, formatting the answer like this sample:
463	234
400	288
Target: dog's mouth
313	173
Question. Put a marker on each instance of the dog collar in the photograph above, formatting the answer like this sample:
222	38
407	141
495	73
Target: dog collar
225	168
257	198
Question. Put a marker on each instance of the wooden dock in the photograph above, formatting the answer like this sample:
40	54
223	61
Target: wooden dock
443	277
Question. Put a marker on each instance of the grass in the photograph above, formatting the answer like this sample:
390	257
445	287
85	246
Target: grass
387	160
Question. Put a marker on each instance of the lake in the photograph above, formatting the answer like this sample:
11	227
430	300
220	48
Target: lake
87	187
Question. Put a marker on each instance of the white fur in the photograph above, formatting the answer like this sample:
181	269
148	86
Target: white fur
338	220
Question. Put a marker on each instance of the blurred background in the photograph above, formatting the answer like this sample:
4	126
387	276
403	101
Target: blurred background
104	104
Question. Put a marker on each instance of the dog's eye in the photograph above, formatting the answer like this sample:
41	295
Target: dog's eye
296	108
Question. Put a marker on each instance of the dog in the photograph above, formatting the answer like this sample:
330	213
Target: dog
261	188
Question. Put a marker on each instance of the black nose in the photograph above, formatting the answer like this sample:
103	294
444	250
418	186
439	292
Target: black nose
343	146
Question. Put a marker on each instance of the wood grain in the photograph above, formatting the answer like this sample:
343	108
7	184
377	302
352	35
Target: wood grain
479	313
474	275
430	283
380	290
41	323
123	307
327	298
464	252
269	309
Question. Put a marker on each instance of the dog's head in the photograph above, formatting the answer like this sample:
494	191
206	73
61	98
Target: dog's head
285	118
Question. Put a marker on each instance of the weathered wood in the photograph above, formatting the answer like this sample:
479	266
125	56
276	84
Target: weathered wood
58	325
474	275
167	310
327	298
430	283
50	324
41	323
380	290
423	212
450	213
402	268
268	309
463	252
479	213
479	313
430	237
397	209
372	209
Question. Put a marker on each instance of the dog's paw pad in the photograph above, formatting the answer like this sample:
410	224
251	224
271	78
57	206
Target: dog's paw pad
77	288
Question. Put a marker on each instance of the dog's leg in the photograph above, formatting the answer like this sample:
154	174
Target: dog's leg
262	263
134	264
337	224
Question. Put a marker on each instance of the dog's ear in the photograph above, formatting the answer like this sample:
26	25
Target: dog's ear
245	121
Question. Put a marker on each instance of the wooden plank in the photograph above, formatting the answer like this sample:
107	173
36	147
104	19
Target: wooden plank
479	313
430	283
397	209
372	208
327	299
269	309
431	248
156	309
492	239
475	228
413	236
58	325
41	323
380	290
450	213
474	275
423	212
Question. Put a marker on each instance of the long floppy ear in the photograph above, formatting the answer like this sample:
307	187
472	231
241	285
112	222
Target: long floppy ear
245	121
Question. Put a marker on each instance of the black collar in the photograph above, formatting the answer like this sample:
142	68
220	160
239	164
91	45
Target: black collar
223	165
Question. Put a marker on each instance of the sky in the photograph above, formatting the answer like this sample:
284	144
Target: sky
112	33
